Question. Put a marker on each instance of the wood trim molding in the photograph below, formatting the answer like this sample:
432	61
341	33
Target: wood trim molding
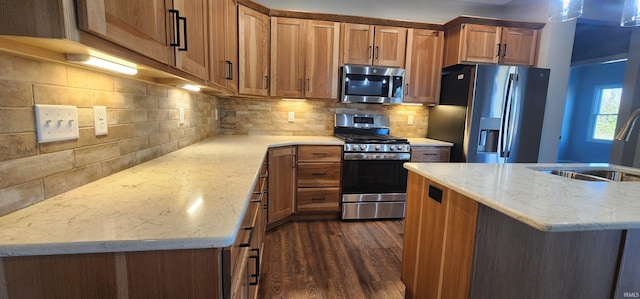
255	6
336	17
353	19
492	22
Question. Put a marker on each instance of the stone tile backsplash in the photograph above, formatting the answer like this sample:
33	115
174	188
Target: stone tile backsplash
312	118
143	124
142	118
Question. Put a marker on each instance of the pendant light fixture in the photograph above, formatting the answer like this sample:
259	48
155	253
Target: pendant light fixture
565	10
630	13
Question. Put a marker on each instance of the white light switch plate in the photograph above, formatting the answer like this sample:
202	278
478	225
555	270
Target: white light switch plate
181	121
100	120
56	123
291	117
410	120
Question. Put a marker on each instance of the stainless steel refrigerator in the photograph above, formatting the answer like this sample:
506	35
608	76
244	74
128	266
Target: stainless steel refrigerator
491	113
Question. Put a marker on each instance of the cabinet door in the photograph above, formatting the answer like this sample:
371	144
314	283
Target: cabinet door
424	66
288	56
357	42
480	43
223	44
139	25
192	55
519	46
282	185
389	46
321	66
253	40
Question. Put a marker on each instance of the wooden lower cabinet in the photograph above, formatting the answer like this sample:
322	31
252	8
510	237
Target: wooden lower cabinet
230	272
147	274
430	153
282	175
455	247
318	199
318	178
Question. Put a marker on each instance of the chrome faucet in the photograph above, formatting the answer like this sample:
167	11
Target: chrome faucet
625	133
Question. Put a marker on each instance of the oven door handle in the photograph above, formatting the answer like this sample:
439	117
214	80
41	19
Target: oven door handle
377	156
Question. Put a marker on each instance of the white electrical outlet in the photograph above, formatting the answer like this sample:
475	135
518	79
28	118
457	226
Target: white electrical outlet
181	122
216	114
410	120
56	123
100	120
291	117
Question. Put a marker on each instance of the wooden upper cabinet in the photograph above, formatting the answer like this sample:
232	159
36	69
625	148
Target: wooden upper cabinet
223	44
193	53
139	25
423	66
377	45
474	43
287	57
480	43
149	28
253	52
357	40
322	61
519	46
304	60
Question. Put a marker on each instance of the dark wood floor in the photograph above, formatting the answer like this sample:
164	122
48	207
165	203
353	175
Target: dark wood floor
333	259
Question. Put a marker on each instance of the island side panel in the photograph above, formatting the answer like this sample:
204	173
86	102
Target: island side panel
460	229
629	278
412	232
513	259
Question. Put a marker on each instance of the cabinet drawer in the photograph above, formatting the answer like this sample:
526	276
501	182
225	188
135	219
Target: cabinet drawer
318	174
318	199
245	236
319	153
430	154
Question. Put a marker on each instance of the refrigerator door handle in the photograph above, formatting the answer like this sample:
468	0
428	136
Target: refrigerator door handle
505	120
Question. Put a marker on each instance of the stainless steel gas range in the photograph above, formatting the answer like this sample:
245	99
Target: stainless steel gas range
374	183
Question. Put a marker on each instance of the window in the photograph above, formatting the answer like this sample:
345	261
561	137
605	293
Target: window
605	114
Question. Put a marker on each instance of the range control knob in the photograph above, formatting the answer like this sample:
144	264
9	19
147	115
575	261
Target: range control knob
377	147
399	147
362	146
393	147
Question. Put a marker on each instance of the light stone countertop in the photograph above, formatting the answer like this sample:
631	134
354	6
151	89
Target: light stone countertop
427	142
146	207
544	201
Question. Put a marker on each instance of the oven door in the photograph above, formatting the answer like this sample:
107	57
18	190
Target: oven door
373	189
374	177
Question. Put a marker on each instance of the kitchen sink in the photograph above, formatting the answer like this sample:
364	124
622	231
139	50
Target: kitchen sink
596	175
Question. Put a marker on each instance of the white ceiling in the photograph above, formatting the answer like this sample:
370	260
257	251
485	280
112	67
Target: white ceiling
493	2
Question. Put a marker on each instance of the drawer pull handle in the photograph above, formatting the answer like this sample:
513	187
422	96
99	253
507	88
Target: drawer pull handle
319	173
429	154
250	229
256	258
321	154
318	198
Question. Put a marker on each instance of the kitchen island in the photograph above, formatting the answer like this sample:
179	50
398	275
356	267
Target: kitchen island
513	230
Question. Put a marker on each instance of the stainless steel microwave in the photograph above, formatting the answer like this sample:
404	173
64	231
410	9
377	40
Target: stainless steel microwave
372	84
